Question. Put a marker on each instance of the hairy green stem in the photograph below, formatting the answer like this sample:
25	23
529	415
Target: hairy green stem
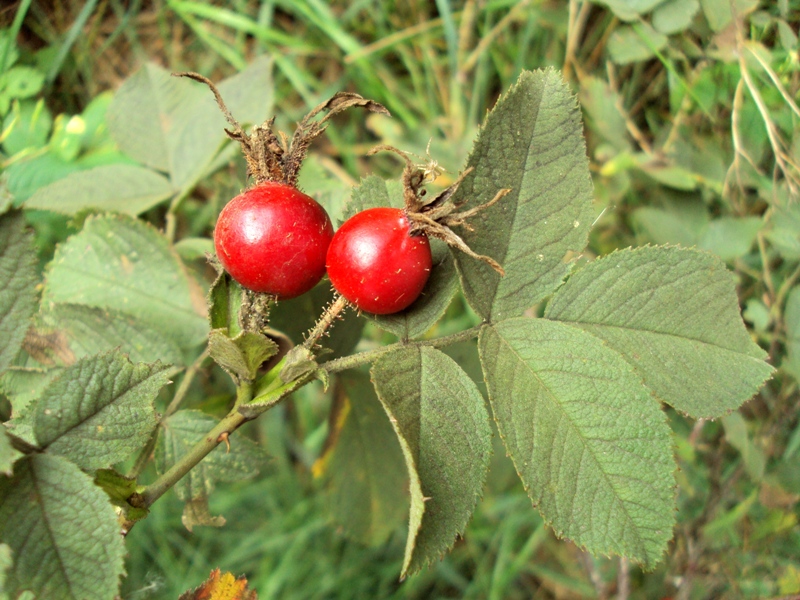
325	321
356	360
189	460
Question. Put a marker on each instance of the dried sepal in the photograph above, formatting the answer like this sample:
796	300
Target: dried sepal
272	156
436	217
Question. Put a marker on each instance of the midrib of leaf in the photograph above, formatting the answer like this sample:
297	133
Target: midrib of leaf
46	521
586	449
138	291
589	326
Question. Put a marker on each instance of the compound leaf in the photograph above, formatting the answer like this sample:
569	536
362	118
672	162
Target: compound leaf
673	314
183	430
18	280
531	143
591	445
62	530
119	263
100	410
362	464
441	421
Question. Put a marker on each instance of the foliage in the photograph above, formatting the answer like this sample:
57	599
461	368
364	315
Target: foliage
690	136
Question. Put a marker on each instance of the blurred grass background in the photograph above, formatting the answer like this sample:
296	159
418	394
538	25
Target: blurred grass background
691	122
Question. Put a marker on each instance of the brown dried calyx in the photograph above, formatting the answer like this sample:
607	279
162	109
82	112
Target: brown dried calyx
272	157
435	217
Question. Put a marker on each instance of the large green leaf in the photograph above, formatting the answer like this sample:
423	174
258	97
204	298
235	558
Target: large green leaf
443	427
18	280
173	125
362	465
590	444
128	189
100	410
183	430
673	314
90	330
120	263
532	143
62	530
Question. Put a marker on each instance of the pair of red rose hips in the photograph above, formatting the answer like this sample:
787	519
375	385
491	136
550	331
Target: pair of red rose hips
276	240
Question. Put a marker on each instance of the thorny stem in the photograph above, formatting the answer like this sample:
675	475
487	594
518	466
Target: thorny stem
435	218
331	313
188	461
362	358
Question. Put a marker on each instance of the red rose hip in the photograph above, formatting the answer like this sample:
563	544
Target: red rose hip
273	239
375	262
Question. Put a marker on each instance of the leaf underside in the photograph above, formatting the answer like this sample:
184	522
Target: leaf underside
441	421
532	143
673	314
588	441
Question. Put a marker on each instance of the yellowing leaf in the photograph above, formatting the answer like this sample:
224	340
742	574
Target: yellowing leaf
221	586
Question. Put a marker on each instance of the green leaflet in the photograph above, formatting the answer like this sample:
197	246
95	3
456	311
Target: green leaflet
119	263
362	465
18	279
128	189
173	125
100	410
441	421
532	143
62	530
673	314
591	446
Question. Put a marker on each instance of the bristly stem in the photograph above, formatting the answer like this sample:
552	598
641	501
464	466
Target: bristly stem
362	358
331	313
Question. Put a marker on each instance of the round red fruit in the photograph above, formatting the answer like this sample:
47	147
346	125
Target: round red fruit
274	239
376	263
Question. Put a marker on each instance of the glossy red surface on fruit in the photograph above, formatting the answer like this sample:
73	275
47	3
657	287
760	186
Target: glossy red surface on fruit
274	239
376	264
